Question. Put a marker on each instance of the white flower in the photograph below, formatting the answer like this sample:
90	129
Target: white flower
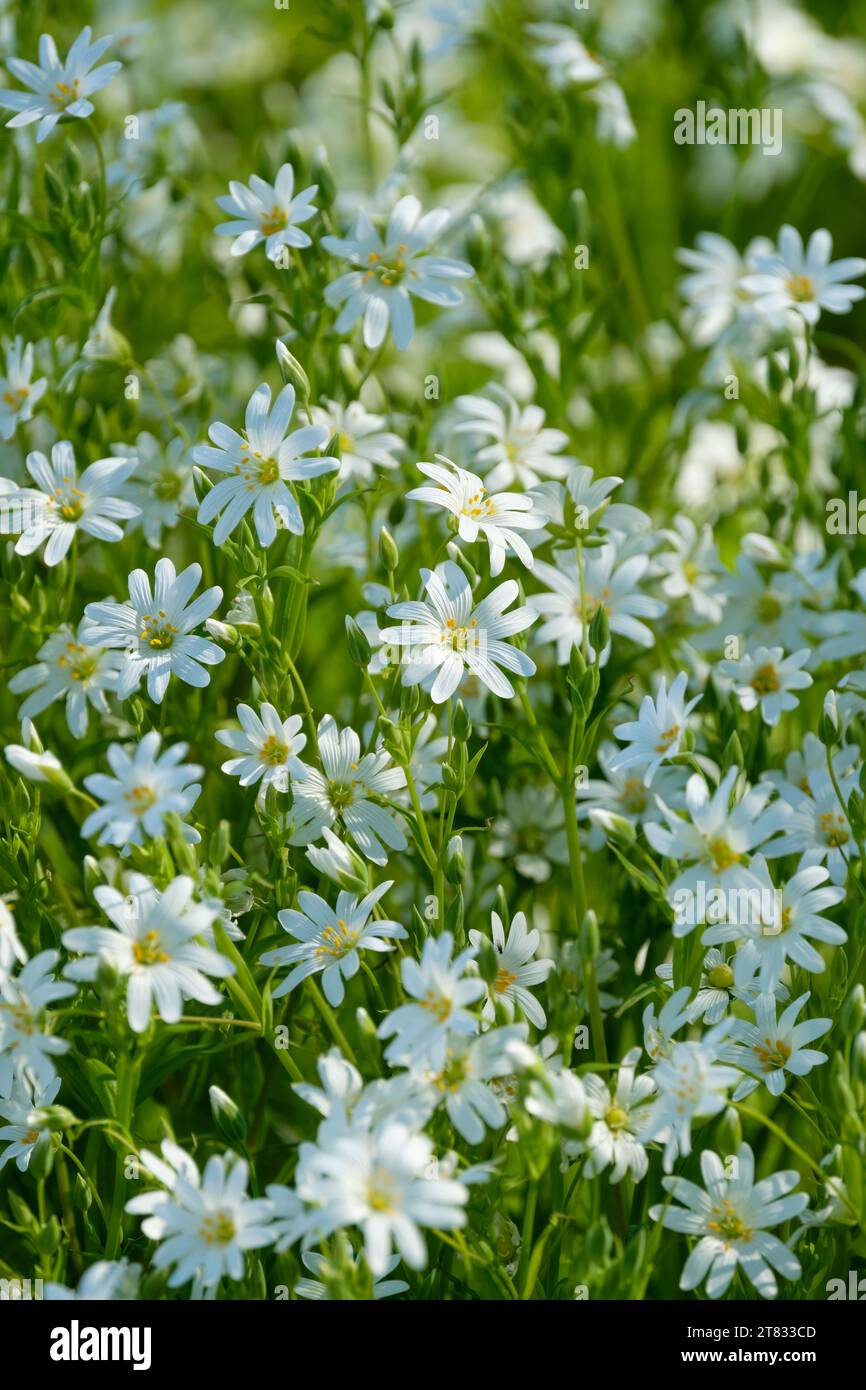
764	679
156	630
382	1183
161	485
26	1047
341	864
657	733
389	270
267	212
496	516
19	393
330	939
617	1117
461	1082
530	833
517	968
521	450
349	789
206	1223
421	1031
659	1031
718	984
562	53
154	946
625	795
691	1084
11	948
805	280
815	825
260	464
68	669
145	789
316	1290
559	1099
769	1048
447	635
268	745
719	303
608	583
63	503
365	444
732	1219
714	840
104	1282
58	88
691	567
24	1125
764	947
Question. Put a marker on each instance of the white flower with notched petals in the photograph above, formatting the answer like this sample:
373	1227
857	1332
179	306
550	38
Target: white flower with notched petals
691	567
764	947
691	1083
63	503
497	516
330	939
154	946
461	1083
349	790
268	748
769	1048
155	630
732	1218
11	948
161	486
269	213
68	669
389	270
19	393
205	1223
521	450
517	968
24	1125
718	986
714	840
145	788
448	635
421	1031
764	679
608	583
805	280
365	444
26	1045
815	825
617	1115
657	733
261	464
58	88
381	1182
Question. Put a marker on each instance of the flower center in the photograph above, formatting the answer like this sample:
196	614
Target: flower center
30	1137
504	980
667	737
633	795
720	977
386	270
167	487
461	639
78	662
256	469
722	856
274	221
452	1075
15	399
69	500
768	608
381	1192
834	829
336	941
140	799
439	1005
772	1055
478	504
273	752
156	631
765	680
727	1224
616	1118
148	951
217	1229
64	94
341	794
800	288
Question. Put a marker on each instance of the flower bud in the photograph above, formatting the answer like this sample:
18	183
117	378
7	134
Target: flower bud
829	726
41	1158
389	554
461	724
292	372
228	1117
455	860
616	827
359	648
599	629
853	1013
589	942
